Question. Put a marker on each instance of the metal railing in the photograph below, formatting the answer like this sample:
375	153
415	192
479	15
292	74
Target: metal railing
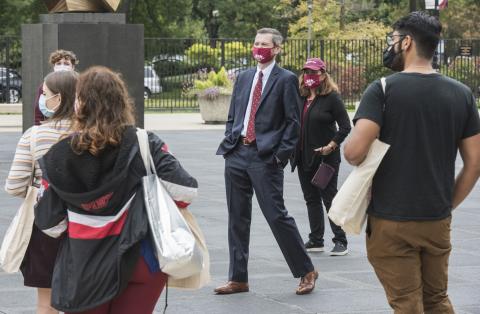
353	64
172	65
10	69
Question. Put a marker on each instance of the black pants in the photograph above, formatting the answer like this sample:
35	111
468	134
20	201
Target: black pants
313	197
245	172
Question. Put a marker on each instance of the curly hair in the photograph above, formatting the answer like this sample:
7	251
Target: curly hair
104	110
58	55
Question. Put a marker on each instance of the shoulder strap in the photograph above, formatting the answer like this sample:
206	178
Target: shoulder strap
33	139
143	142
383	80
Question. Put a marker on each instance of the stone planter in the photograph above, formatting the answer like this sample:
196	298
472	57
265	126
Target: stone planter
216	110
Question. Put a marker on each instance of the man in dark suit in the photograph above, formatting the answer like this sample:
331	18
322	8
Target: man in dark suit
260	136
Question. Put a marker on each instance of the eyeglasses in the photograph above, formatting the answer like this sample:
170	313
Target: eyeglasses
391	38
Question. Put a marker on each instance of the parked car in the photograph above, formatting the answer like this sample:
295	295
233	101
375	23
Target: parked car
12	93
169	57
171	64
151	82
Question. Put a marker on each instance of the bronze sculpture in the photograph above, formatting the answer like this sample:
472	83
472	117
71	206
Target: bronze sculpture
58	6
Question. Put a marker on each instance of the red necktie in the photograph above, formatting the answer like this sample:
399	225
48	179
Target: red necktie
257	95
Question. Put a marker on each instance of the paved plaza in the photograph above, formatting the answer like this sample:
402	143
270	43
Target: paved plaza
345	285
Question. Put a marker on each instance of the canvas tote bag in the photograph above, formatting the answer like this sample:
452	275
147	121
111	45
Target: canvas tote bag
349	207
199	280
18	234
176	249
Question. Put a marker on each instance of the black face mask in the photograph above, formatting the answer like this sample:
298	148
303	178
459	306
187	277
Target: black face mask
393	60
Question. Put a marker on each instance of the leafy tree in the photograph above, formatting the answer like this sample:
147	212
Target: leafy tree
241	18
13	13
325	19
166	18
461	19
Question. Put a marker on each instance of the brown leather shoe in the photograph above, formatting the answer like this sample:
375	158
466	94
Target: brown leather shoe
232	287
307	283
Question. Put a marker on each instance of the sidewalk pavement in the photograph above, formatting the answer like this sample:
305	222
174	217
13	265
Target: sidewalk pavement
153	121
346	285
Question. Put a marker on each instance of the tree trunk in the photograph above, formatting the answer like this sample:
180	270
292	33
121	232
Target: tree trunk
413	5
342	15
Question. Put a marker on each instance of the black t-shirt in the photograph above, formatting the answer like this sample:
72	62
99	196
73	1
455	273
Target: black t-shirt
424	118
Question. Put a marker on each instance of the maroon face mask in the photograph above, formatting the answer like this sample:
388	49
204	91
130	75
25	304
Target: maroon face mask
311	80
263	55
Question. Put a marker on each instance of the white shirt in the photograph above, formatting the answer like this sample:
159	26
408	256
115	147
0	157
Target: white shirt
266	75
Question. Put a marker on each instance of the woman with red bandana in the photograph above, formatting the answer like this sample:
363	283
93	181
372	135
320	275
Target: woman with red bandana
319	142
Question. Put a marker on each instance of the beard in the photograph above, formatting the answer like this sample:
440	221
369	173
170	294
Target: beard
398	63
394	60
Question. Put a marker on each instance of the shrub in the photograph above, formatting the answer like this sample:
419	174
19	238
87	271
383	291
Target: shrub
374	72
465	70
212	84
237	54
203	55
349	79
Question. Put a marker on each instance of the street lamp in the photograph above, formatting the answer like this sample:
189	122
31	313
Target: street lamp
310	8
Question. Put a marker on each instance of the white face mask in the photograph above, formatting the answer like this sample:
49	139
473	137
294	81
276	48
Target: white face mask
62	67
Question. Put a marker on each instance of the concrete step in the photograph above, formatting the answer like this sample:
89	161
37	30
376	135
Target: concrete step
11	108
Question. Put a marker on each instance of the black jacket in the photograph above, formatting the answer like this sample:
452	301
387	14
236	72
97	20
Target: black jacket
319	128
277	117
99	201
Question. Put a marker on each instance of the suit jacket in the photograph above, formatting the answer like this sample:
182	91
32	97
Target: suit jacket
276	120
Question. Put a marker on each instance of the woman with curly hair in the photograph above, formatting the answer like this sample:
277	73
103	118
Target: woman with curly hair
92	188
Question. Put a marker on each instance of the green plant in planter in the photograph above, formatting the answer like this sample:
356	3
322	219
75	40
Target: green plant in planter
213	84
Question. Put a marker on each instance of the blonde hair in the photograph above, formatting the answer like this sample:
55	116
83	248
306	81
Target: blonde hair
326	87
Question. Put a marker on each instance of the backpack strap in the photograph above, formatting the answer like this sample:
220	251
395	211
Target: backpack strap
383	80
33	139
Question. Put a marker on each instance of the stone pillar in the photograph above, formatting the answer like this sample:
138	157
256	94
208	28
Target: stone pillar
96	39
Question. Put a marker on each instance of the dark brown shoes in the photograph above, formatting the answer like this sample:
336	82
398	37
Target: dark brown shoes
232	287
307	283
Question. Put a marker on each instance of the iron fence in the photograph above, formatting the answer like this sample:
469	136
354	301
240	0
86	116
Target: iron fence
353	64
10	69
172	65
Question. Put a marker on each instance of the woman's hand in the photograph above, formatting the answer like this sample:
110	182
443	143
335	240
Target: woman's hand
325	150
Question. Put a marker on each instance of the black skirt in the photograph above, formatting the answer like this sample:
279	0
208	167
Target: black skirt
37	265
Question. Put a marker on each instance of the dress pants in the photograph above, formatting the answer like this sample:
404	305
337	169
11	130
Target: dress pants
245	172
313	197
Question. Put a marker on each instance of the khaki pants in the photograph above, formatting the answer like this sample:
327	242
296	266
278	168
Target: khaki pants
411	261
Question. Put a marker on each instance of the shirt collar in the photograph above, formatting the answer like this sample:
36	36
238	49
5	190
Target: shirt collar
267	70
